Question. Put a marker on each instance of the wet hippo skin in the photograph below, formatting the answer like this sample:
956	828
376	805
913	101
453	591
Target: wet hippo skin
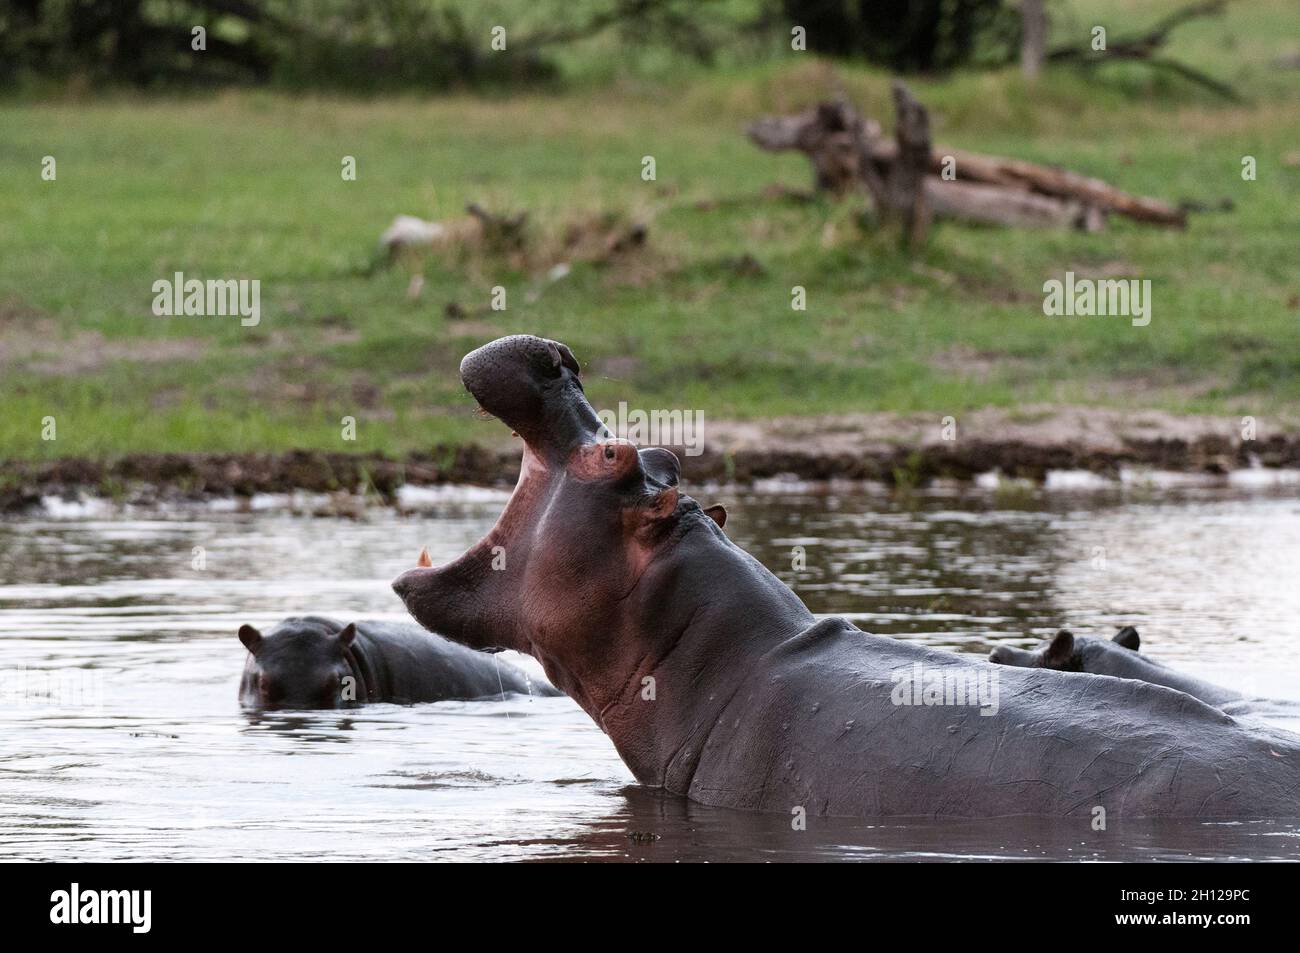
714	681
314	662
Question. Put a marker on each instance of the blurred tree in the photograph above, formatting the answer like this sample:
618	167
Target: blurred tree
136	41
908	35
359	45
1033	37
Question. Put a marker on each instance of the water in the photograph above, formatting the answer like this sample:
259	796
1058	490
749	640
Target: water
167	766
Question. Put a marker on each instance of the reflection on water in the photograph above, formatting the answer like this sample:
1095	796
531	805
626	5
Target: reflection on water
134	616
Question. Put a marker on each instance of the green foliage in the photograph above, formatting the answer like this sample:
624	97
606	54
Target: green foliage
248	185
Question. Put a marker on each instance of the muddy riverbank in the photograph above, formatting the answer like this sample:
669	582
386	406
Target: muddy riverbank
909	450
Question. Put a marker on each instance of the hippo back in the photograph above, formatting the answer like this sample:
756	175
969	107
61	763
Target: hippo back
410	664
846	723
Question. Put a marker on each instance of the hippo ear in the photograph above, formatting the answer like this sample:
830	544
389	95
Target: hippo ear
348	634
717	513
250	637
1127	637
1058	653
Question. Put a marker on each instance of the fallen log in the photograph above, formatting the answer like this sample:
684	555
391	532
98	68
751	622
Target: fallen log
1047	180
999	205
848	152
1050	180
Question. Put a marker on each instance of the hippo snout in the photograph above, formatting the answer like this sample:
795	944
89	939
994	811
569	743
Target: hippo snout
417	590
514	367
406	584
532	385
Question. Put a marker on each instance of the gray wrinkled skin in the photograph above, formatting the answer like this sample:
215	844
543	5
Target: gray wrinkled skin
304	661
617	582
814	725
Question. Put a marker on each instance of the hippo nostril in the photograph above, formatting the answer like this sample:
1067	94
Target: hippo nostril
609	452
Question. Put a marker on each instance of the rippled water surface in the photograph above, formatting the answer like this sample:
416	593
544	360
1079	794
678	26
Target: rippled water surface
122	738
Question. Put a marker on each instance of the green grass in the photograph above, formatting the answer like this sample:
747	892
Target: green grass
248	185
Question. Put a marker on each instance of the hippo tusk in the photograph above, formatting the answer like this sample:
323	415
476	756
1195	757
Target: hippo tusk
424	561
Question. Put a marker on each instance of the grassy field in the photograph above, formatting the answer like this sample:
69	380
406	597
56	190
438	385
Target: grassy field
248	185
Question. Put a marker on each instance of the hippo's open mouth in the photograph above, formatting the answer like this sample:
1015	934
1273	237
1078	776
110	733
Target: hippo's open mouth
531	384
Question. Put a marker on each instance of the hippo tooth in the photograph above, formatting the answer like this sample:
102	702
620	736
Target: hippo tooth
424	559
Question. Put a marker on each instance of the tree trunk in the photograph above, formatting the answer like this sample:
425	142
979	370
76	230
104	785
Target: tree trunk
1033	37
905	186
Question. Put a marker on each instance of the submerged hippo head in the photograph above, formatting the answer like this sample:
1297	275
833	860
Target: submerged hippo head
301	663
572	571
1118	657
1066	653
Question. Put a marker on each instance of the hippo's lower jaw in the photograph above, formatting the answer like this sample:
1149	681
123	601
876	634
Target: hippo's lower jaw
714	681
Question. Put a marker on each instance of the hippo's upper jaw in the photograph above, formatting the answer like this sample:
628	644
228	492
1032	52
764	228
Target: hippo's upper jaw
531	384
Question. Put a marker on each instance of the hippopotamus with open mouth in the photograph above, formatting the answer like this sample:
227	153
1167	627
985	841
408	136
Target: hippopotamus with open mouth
1117	657
714	681
314	662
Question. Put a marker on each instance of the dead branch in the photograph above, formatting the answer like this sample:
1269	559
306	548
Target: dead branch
1142	47
500	233
831	134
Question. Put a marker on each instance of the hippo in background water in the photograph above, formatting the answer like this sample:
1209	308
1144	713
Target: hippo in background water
314	662
715	682
1119	657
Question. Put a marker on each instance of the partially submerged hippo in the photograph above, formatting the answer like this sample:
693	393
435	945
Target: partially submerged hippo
314	662
1118	657
715	681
